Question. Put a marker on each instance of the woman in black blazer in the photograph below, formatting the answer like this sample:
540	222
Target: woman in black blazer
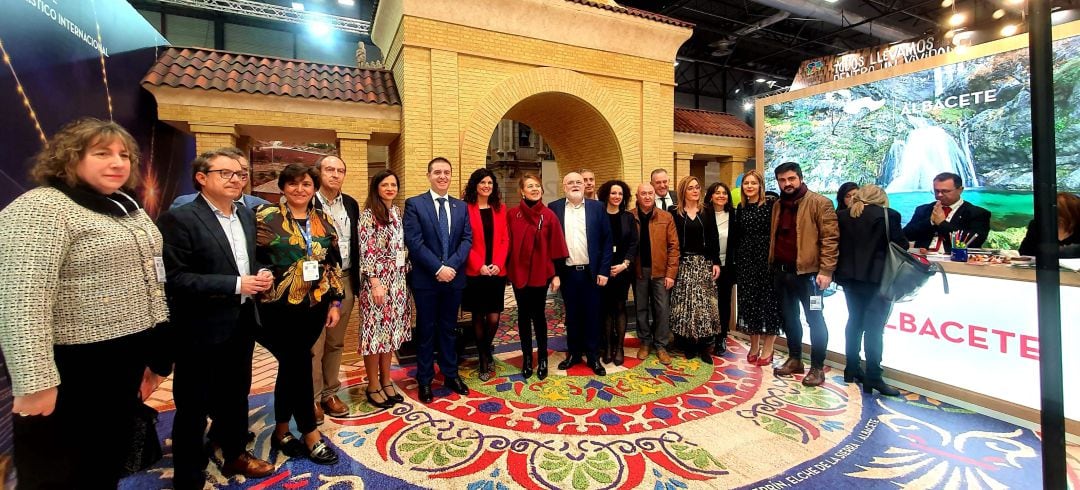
863	245
718	200
615	194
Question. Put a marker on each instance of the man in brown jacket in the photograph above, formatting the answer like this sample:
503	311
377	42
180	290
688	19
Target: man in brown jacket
656	267
803	249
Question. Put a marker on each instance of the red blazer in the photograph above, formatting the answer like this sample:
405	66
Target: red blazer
479	245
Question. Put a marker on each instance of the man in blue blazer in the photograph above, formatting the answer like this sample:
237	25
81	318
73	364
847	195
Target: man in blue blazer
588	238
438	236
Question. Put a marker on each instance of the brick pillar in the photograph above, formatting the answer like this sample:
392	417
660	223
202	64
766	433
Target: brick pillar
211	136
731	170
682	168
353	150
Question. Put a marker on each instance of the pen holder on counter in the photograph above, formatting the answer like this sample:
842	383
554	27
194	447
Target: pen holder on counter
959	255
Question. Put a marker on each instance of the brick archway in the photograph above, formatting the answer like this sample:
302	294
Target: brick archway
579	120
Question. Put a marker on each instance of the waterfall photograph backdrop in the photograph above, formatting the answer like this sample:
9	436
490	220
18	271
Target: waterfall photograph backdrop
971	118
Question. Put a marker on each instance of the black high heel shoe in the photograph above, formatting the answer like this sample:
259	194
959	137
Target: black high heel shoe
541	369
526	366
881	387
386	403
396	397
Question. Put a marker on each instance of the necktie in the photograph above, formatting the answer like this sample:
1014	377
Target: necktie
663	203
942	238
947	209
444	227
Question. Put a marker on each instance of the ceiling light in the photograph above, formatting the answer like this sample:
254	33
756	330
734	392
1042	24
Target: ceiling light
760	80
946	3
1014	2
831	1
737	90
1008	30
318	28
676	62
957	19
747	106
298	5
999	13
347	3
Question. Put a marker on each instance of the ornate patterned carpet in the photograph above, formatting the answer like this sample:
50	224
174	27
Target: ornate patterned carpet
646	425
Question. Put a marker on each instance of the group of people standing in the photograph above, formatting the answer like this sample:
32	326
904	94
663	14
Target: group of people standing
100	303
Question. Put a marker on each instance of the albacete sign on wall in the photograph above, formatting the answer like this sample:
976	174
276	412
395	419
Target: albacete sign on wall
836	67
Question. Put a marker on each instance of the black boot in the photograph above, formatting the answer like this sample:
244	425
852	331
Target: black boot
617	344
541	368
526	366
720	347
703	349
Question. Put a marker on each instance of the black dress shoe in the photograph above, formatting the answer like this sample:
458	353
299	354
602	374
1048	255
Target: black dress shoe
526	367
322	454
457	386
881	387
569	362
597	368
289	445
541	369
425	394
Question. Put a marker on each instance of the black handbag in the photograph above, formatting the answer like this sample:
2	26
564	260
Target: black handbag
904	273
145	448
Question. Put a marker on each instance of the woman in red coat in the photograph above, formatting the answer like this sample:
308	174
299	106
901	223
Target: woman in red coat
485	269
536	242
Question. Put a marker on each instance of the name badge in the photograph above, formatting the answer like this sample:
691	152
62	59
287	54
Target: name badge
159	267
311	270
400	261
816	303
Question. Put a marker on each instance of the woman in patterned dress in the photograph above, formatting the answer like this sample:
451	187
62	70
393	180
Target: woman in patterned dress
694	312
385	312
299	243
759	307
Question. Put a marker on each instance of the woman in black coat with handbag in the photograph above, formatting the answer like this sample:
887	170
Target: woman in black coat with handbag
863	244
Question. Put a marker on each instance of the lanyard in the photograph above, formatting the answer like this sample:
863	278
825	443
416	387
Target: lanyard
305	232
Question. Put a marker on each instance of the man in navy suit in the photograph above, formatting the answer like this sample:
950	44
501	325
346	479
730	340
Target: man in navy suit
209	259
438	236
588	238
931	223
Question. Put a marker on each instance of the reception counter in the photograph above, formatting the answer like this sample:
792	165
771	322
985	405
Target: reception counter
979	343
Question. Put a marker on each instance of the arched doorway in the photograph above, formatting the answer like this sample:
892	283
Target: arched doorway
575	116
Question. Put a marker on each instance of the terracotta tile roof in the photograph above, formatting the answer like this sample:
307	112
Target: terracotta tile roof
644	14
245	73
713	123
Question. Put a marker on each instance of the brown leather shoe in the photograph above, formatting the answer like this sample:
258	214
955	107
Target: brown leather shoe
643	352
815	377
319	417
333	406
247	465
662	354
791	366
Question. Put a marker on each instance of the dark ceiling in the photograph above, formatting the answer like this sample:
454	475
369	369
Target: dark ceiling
735	43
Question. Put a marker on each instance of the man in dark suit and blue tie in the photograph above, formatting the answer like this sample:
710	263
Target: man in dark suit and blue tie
209	259
438	237
588	238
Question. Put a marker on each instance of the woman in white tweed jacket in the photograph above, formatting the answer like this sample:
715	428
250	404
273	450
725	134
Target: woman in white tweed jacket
79	296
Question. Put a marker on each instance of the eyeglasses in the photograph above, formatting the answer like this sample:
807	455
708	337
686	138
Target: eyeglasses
227	175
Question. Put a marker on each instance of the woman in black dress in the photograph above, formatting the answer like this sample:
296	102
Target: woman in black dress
694	314
758	306
624	233
719	203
